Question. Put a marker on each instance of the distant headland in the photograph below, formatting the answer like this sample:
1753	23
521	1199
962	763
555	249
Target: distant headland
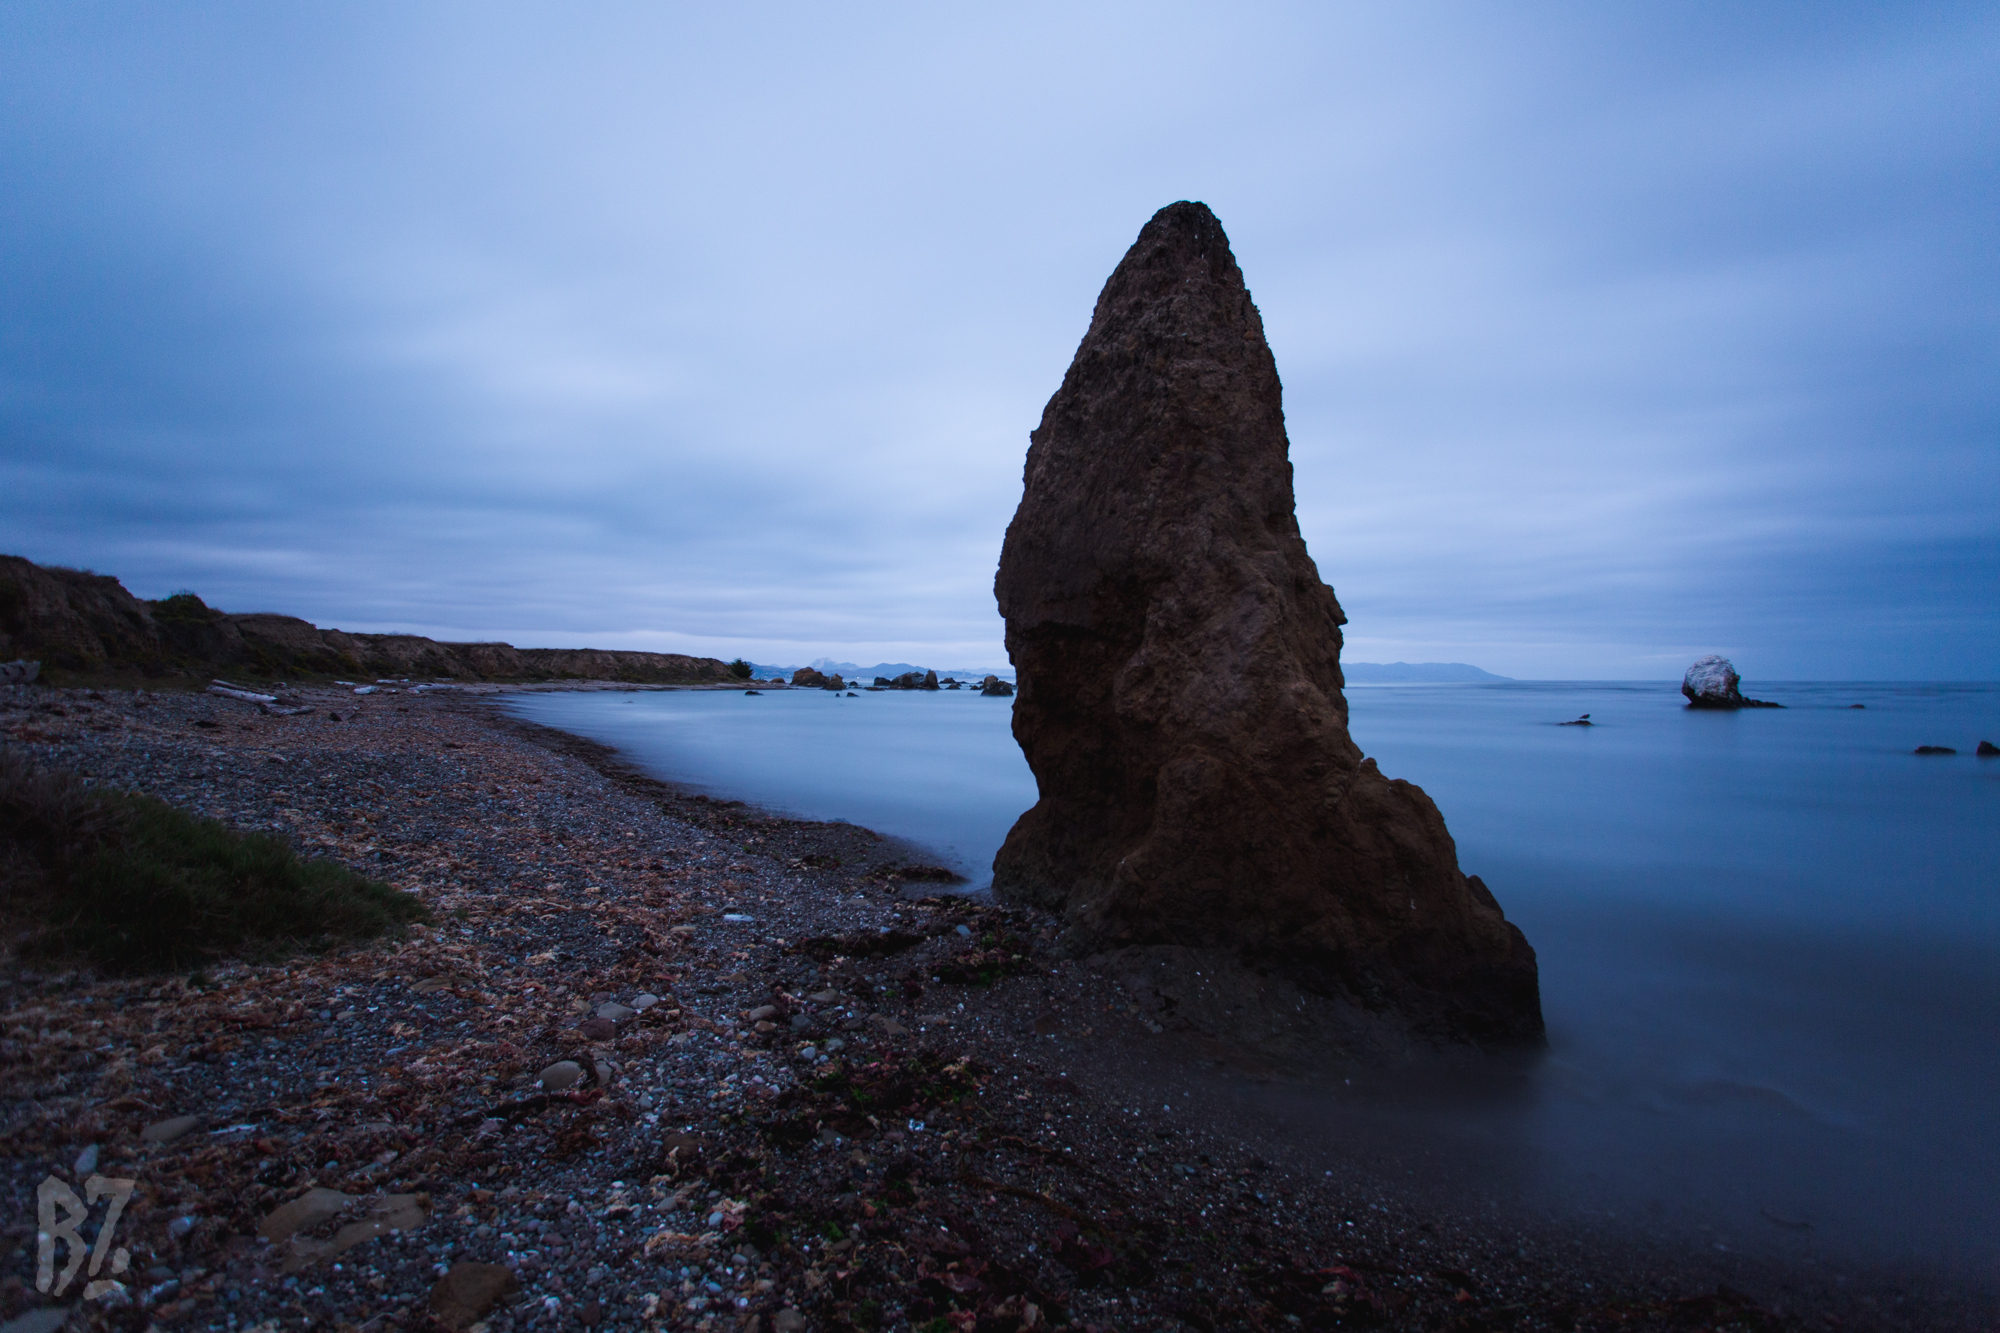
86	625
1403	673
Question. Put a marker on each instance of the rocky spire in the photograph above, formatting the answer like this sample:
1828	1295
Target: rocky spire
1180	697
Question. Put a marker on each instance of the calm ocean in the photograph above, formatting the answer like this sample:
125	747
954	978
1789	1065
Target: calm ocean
1769	940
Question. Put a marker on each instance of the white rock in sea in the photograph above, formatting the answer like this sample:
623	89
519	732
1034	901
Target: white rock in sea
1712	679
1713	683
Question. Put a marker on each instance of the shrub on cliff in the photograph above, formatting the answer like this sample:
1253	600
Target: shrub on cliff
741	669
132	884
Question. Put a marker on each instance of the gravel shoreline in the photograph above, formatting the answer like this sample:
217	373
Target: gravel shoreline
808	1089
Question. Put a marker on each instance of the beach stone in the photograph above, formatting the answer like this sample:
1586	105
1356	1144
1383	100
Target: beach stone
597	1029
617	1013
562	1074
49	1318
788	1320
1180	697
762	1012
315	1206
644	1000
167	1131
468	1291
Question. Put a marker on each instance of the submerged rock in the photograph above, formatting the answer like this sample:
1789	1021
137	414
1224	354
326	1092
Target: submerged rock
1712	683
1180	691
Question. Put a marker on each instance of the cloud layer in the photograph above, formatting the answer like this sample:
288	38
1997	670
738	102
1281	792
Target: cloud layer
1610	337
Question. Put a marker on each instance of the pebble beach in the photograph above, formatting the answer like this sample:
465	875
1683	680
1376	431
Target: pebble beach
666	1062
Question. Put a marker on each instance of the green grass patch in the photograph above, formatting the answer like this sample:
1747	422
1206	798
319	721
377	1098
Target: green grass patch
132	884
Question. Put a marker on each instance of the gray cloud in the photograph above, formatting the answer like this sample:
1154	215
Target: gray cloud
1608	337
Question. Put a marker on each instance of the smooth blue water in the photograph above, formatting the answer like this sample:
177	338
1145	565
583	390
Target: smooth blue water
940	769
1769	940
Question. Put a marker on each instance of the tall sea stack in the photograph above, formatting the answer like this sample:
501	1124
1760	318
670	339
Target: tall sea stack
1180	701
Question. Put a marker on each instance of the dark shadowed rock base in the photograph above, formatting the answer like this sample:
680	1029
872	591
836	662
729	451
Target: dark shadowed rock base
1180	688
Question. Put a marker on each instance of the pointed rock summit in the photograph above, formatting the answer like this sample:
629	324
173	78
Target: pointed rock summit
1180	700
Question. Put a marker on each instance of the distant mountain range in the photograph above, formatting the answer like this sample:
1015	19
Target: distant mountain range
1397	673
854	671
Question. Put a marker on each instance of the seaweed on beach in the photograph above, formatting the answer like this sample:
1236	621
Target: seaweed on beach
859	944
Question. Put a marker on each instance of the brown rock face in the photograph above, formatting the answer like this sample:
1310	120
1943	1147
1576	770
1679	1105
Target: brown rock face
1180	689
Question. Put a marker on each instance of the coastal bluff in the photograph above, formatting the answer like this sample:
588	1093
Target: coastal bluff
1180	693
85	624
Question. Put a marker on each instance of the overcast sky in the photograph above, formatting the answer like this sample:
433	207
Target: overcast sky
1611	334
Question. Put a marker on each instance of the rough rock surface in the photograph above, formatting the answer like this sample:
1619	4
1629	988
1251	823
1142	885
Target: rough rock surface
1712	682
1180	688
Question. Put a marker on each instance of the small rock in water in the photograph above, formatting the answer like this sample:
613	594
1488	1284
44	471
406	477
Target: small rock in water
562	1074
1935	749
1712	682
1987	749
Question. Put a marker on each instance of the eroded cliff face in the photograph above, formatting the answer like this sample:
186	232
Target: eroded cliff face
1180	690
